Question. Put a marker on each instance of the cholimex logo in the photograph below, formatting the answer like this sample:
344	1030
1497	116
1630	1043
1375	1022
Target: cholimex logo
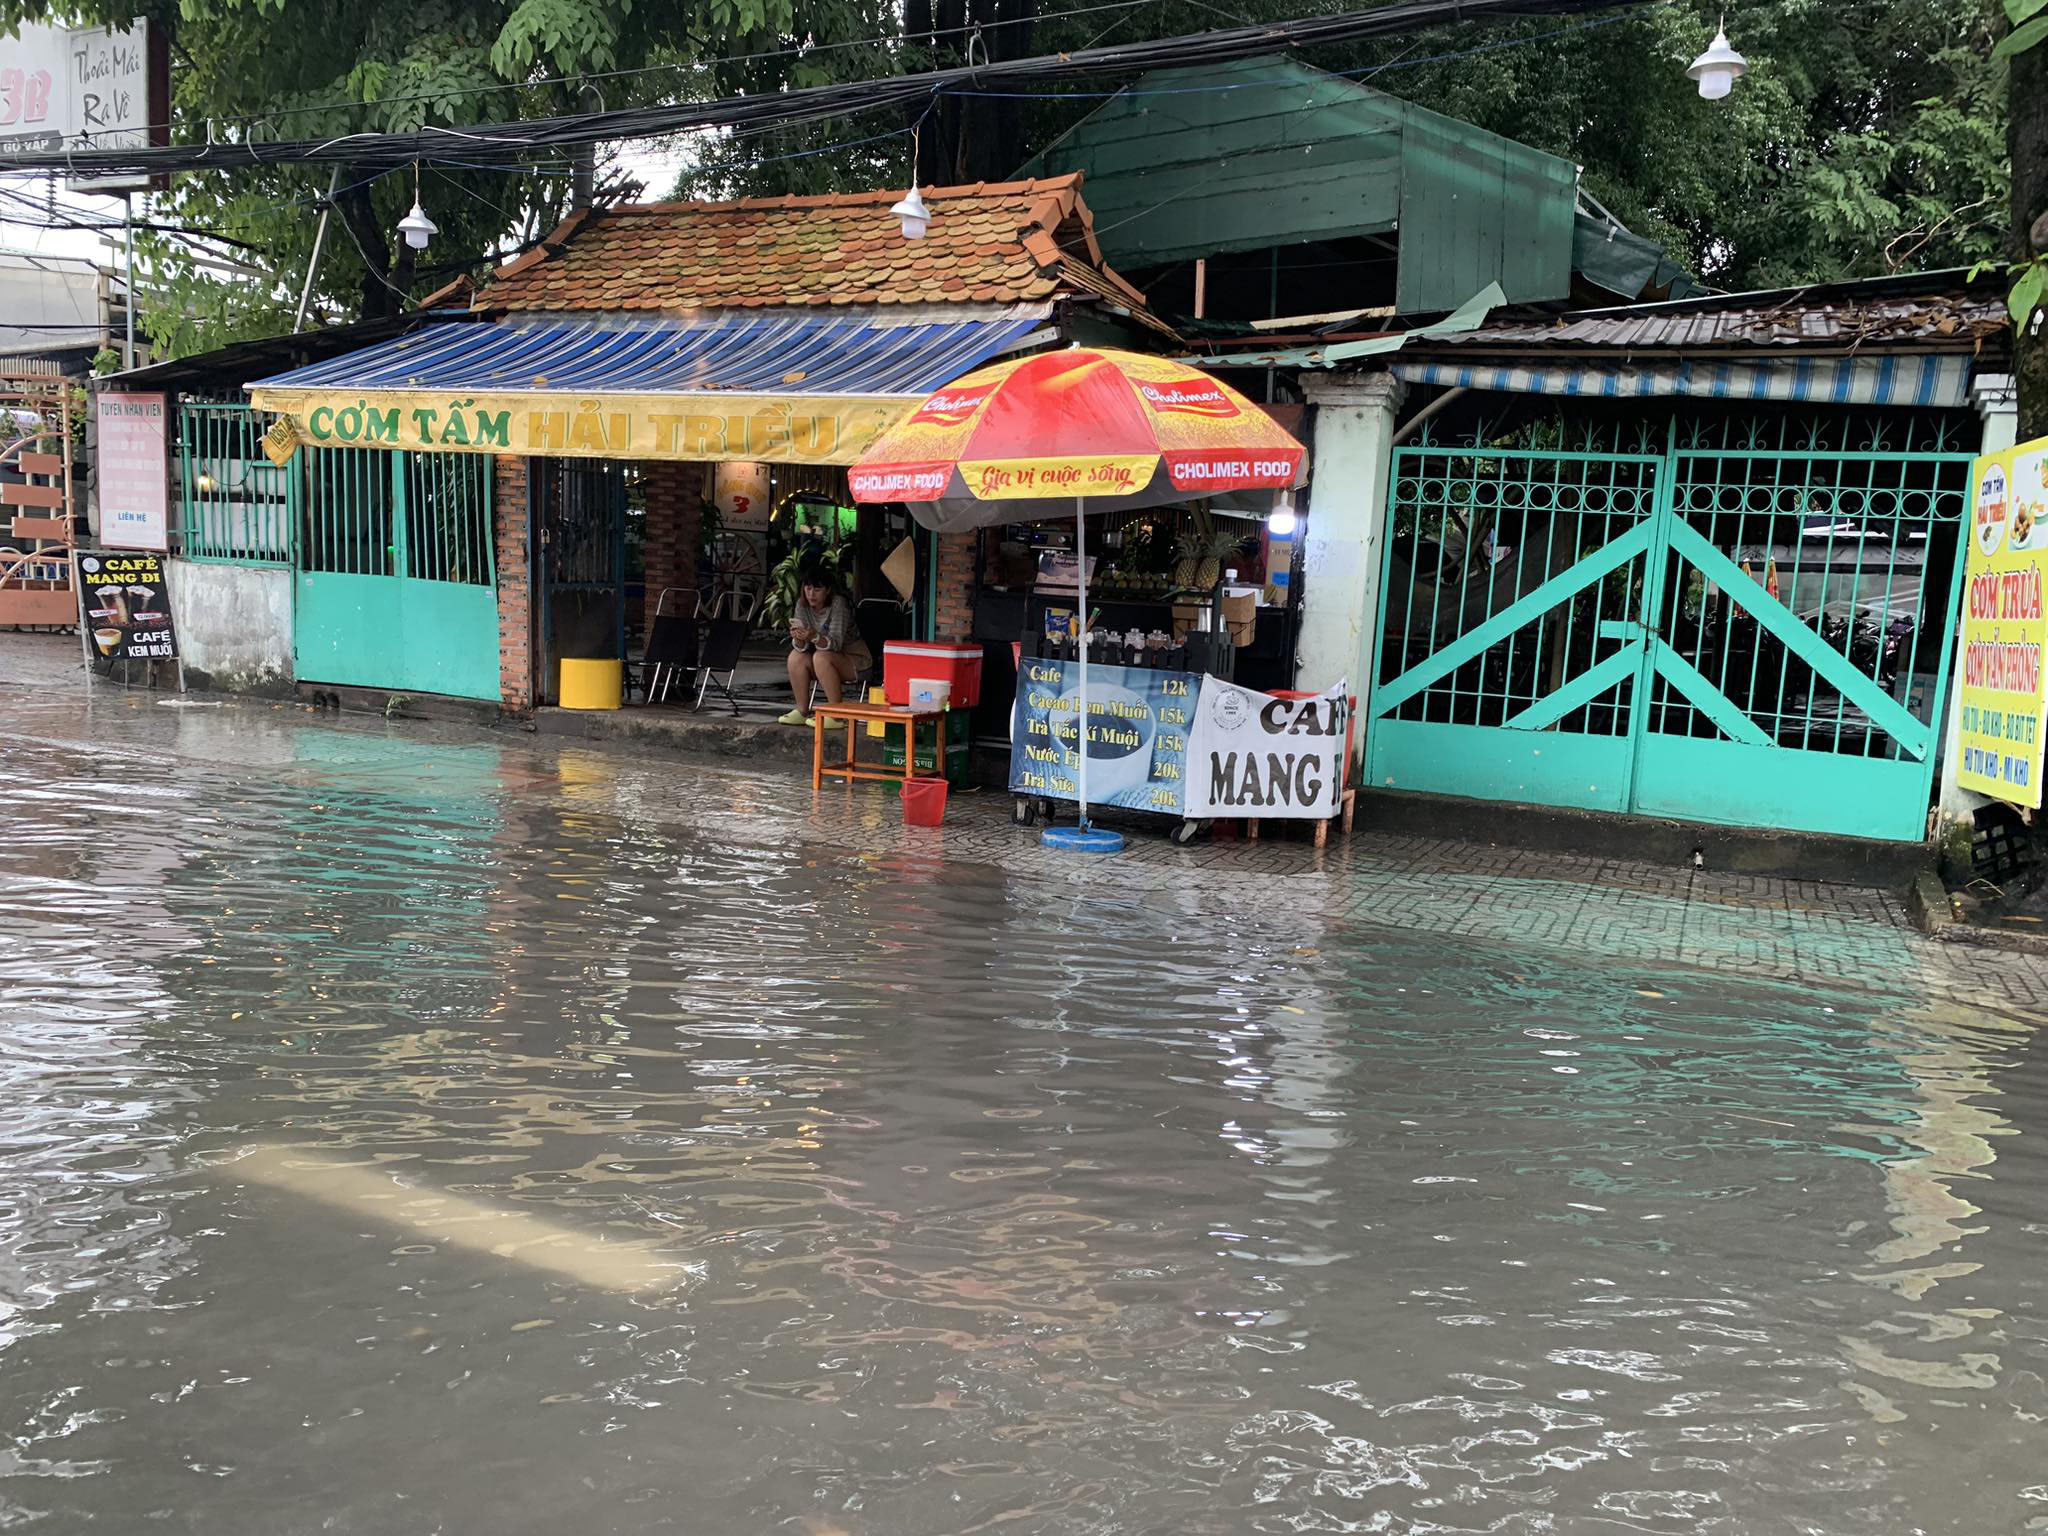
1197	397
950	407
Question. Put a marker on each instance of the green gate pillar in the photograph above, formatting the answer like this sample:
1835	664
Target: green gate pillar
1352	433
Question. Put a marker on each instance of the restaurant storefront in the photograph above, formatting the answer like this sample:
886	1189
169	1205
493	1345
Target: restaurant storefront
646	380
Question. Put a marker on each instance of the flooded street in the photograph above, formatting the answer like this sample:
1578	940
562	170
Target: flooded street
408	1131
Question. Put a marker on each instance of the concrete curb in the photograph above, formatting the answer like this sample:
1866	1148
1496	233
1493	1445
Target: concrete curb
1928	901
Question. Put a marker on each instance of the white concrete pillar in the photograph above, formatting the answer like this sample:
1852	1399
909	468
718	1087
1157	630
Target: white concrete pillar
1998	407
1345	529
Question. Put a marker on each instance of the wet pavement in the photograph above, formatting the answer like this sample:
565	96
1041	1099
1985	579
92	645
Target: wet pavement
416	1130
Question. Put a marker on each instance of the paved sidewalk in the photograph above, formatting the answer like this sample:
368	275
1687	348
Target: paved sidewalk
1755	927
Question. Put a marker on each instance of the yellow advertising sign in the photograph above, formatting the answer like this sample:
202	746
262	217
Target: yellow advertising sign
281	442
778	429
2000	675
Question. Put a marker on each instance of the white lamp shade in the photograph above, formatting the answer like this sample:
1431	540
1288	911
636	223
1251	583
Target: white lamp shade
417	228
912	214
1718	68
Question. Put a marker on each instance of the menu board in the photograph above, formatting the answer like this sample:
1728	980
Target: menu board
1138	722
127	606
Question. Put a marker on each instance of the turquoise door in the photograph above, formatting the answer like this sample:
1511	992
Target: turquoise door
397	587
1747	623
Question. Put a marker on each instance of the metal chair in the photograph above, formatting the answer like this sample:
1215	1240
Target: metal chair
723	643
671	642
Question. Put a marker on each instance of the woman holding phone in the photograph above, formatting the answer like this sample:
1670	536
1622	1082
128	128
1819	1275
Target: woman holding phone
824	645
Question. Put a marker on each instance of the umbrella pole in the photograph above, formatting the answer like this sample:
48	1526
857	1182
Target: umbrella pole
1081	591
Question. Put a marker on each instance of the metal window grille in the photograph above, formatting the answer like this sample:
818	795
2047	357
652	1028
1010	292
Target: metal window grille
1852	523
1478	528
234	504
376	512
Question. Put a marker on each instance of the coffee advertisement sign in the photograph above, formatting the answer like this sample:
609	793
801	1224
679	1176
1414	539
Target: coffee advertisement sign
1258	754
127	605
1137	734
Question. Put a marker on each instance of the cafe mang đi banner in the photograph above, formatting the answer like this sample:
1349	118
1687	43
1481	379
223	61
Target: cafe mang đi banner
1178	743
1999	675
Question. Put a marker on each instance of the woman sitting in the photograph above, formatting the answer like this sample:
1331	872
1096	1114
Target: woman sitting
824	644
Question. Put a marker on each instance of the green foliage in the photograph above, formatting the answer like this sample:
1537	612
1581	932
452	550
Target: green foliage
2028	27
296	69
1868	135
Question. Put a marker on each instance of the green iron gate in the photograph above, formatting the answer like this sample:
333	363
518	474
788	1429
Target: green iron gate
397	587
1724	619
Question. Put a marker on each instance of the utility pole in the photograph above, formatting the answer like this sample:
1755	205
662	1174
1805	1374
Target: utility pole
2026	139
128	297
319	244
583	178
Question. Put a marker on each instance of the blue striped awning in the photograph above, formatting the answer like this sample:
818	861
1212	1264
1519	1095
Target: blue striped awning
1933	380
778	354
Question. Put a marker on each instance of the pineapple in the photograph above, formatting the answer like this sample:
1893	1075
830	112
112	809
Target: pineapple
1188	550
1219	548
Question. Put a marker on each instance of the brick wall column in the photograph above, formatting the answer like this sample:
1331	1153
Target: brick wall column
510	501
675	512
953	592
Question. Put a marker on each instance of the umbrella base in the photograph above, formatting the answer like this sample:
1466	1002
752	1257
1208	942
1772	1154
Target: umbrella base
1083	839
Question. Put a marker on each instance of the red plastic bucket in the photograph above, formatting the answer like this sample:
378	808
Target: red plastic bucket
924	802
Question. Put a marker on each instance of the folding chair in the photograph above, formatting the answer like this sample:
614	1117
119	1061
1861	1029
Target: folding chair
723	642
671	642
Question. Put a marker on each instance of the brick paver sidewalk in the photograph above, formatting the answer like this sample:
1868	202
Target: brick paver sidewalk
1759	928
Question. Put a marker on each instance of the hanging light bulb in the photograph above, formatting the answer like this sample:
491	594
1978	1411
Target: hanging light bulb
910	214
1719	67
417	228
1283	520
913	216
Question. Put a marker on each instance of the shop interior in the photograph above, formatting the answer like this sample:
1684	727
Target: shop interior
1205	587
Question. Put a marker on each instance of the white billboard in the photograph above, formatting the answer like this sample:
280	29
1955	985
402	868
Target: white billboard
82	88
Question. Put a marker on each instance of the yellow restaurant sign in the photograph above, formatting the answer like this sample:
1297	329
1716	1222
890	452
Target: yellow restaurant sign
779	429
2001	677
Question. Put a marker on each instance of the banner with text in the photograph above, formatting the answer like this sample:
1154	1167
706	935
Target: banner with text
127	606
134	470
1254	754
1999	672
774	429
1137	734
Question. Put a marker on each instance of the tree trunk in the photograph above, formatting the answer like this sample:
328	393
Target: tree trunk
2027	140
360	215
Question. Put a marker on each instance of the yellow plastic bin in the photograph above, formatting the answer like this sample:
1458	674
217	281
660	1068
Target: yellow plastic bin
592	684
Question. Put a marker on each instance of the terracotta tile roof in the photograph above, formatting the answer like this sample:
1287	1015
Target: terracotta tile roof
991	243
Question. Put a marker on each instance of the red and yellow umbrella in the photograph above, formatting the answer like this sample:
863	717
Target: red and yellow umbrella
1061	434
1028	437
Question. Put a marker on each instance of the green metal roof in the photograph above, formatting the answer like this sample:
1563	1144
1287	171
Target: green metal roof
1207	160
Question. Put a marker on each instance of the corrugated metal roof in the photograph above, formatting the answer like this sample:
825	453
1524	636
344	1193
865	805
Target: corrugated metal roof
228	368
1833	316
1934	380
1245	156
780	354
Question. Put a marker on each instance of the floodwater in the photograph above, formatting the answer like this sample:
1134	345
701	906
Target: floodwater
409	1135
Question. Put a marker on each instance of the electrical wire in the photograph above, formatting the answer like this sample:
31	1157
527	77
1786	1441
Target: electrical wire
502	141
1364	72
798	50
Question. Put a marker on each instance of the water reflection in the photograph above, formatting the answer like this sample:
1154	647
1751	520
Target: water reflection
412	1136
